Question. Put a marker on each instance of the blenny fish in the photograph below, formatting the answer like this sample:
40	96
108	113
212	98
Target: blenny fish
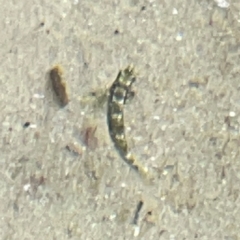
119	93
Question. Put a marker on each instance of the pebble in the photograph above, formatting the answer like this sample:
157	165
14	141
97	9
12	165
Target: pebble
232	114
174	11
222	3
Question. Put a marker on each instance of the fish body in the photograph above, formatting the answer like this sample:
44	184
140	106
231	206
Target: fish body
119	93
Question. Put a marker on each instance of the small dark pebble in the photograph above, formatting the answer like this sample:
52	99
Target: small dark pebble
116	32
149	213
26	124
143	8
93	94
193	84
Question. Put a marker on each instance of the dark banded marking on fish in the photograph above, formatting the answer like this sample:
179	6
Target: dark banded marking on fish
119	93
59	85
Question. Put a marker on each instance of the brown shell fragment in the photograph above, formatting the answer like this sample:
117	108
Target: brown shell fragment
74	148
88	137
59	85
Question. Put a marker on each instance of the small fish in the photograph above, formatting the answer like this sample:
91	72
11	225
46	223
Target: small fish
119	93
59	85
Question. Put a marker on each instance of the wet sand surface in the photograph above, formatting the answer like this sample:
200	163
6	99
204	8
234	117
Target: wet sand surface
62	178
